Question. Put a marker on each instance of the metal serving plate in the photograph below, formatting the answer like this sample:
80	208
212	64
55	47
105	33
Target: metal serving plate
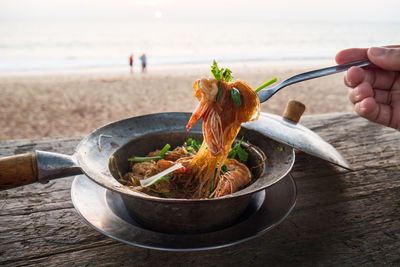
106	213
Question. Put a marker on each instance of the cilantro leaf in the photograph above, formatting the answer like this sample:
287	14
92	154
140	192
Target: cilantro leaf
192	144
236	97
237	152
221	73
216	72
227	74
242	154
232	153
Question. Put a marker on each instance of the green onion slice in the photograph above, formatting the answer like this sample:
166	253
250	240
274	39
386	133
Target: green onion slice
262	86
160	155
155	178
164	150
164	178
144	159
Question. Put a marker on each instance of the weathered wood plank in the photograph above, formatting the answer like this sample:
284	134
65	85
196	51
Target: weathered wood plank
36	198
341	217
64	145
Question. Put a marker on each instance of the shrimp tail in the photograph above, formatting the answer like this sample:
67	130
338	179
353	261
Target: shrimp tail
199	112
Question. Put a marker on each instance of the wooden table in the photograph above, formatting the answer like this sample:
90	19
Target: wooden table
341	217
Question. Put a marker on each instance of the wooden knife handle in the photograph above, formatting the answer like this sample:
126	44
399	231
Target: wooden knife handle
18	170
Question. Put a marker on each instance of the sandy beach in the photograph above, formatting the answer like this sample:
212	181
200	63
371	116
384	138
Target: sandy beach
72	104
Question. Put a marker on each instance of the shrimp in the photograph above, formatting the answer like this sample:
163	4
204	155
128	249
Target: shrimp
206	91
165	164
221	117
237	177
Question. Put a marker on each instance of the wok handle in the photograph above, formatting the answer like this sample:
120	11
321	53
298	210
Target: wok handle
18	170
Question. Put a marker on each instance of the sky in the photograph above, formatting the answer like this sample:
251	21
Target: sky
71	33
314	10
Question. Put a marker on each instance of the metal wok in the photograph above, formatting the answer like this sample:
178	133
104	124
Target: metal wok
139	135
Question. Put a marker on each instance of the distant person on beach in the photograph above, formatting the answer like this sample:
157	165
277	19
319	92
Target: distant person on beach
375	89
131	62
144	62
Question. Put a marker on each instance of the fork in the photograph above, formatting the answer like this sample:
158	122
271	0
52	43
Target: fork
265	94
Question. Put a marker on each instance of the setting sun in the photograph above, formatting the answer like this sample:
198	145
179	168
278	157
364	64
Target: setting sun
157	14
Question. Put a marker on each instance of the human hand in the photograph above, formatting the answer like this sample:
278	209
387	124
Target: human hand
376	93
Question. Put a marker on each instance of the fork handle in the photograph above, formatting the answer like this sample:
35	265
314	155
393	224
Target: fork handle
265	94
326	71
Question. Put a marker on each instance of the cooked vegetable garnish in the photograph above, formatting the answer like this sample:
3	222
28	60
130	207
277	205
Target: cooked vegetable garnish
221	73
159	176
160	155
224	168
236	150
239	152
236	97
144	159
216	72
227	75
243	155
202	170
166	177
164	150
262	86
192	144
218	75
219	92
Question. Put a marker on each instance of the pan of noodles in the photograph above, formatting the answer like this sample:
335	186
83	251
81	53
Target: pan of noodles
103	157
184	173
173	174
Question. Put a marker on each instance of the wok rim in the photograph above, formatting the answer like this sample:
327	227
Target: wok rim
121	189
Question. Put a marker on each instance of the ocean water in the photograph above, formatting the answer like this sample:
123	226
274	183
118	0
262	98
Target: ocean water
63	45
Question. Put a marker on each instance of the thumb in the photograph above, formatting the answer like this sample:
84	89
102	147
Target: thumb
385	58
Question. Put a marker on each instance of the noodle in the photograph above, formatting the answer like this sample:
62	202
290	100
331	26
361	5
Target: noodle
202	175
221	124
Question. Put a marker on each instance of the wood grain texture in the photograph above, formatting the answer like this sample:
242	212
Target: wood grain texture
18	170
293	111
341	218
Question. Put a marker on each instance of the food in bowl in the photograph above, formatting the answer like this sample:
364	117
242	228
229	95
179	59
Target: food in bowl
148	174
205	170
